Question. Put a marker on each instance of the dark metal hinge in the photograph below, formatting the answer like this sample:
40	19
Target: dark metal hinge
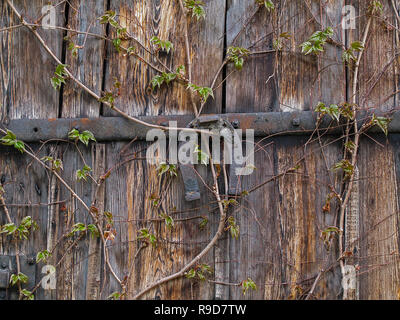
192	190
8	267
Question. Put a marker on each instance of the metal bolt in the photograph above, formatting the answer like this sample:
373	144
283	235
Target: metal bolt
235	124
4	265
296	122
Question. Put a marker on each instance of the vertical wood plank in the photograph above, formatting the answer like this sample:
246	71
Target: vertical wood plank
305	80
247	90
133	186
26	68
94	250
73	270
302	219
164	19
87	66
378	79
256	254
379	238
21	191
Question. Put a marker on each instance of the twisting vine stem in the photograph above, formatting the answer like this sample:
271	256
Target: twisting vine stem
343	204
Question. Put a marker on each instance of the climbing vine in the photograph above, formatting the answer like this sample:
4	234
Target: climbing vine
342	114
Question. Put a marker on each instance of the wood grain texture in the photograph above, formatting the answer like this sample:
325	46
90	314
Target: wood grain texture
280	224
26	68
133	186
256	254
305	80
250	25
87	66
379	77
301	219
73	273
164	19
20	190
379	237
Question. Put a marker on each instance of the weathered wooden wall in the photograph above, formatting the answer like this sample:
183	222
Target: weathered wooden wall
279	246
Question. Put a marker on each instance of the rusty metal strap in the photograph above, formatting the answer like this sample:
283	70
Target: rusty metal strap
119	129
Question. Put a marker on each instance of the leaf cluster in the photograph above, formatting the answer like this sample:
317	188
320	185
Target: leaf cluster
346	166
233	227
23	230
202	157
56	164
315	44
200	272
269	5
80	227
203	92
59	76
43	256
381	122
328	235
237	55
83	173
10	139
170	169
166	77
197	8
163	45
349	54
147	237
109	17
83	137
248	284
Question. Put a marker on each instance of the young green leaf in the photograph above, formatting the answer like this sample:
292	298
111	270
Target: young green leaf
10	139
171	169
269	5
56	164
197	8
315	44
233	227
381	122
115	296
18	278
8	228
248	284
203	223
204	92
346	166
164	45
27	294
59	76
146	236
85	137
236	55
375	8
73	48
169	221
94	231
43	256
83	173
202	157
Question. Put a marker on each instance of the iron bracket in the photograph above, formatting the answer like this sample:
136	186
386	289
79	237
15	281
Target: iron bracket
192	190
120	129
